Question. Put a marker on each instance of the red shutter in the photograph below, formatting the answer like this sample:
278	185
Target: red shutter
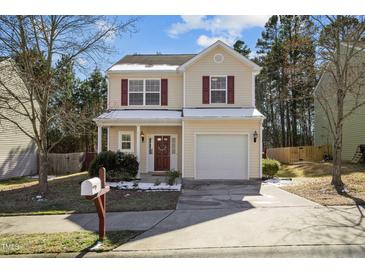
164	92
205	89
124	95
230	87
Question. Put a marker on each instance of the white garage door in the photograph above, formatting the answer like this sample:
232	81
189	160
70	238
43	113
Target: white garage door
221	157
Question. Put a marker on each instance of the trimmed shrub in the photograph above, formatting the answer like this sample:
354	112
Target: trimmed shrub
116	176
117	164
172	175
128	162
270	167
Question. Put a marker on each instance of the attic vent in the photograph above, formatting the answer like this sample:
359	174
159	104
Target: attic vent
218	58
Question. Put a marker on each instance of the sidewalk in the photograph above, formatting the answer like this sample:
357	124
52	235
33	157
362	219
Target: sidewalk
139	220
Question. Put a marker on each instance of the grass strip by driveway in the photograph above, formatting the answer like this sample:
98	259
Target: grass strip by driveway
64	197
65	242
313	182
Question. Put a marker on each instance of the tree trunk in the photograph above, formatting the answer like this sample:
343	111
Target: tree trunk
337	147
43	153
336	169
43	172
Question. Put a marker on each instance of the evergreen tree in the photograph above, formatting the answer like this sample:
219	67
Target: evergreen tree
242	48
286	83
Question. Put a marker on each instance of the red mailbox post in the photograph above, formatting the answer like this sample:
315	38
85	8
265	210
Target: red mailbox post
99	198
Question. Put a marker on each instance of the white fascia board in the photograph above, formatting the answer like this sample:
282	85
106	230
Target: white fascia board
108	123
142	71
223	118
240	57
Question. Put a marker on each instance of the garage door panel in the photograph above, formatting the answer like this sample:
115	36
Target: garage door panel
221	156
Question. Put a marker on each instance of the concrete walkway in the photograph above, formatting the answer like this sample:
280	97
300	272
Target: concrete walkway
142	220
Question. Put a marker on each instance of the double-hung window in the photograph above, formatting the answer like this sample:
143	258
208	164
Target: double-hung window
145	92
126	141
136	90
218	89
153	90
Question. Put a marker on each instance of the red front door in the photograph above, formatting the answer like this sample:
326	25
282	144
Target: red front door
162	153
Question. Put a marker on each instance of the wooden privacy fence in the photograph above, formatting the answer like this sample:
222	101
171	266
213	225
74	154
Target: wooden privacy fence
66	163
289	155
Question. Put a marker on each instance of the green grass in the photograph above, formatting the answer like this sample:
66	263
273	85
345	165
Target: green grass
64	197
13	244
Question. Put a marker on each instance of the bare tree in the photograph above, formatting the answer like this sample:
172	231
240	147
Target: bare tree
341	91
35	43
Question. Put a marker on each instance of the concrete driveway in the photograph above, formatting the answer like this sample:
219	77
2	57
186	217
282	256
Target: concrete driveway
226	216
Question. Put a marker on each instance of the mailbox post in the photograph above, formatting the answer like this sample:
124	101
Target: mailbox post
95	189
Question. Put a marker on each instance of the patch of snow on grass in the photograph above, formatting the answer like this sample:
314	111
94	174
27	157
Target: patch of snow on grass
49	177
278	182
144	186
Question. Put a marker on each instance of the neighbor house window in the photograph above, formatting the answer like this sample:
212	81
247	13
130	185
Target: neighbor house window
126	141
144	92
218	89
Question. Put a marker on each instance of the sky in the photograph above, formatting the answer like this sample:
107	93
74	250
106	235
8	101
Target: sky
186	34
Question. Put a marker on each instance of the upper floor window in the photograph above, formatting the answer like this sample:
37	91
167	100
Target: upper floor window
144	92
218	89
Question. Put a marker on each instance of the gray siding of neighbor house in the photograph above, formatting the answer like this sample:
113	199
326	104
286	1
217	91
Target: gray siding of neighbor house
18	154
353	131
353	128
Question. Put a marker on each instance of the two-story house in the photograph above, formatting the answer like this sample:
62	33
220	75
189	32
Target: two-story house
191	112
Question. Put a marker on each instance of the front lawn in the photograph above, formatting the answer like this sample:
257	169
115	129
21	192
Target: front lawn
38	243
313	181
17	198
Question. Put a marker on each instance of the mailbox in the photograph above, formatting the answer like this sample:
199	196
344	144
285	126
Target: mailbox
91	186
95	189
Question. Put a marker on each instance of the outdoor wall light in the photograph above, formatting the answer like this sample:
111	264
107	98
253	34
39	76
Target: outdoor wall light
142	136
255	135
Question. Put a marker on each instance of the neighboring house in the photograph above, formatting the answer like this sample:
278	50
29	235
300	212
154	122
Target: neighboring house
18	154
353	128
191	112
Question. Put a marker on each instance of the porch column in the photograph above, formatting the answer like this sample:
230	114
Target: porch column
100	130
138	148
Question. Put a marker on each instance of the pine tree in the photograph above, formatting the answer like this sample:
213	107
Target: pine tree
242	48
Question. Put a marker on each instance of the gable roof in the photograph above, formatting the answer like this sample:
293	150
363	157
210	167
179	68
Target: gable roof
173	62
230	50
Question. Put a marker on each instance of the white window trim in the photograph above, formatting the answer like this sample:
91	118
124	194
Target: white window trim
144	90
131	133
210	88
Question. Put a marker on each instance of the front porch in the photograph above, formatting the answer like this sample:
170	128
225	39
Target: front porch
158	148
154	136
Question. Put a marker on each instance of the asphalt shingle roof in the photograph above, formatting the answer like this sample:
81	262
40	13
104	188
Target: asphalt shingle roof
156	59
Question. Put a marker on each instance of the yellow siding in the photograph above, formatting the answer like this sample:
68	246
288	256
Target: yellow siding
175	90
230	66
147	130
226	126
